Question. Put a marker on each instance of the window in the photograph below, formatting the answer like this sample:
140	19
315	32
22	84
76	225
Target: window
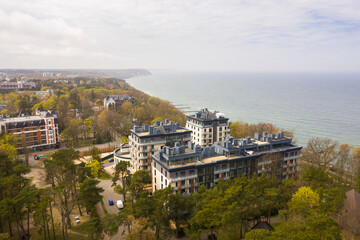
154	172
165	182
182	174
191	172
210	130
182	183
155	180
220	128
176	184
165	173
176	174
161	178
162	186
161	170
154	164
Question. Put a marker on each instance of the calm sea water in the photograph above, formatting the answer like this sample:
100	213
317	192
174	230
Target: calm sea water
310	104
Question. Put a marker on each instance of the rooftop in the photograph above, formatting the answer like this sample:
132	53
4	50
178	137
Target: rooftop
157	128
205	114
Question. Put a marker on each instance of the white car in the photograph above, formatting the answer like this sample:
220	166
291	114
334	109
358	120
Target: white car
119	204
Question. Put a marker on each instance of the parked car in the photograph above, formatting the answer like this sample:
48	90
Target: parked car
111	160
77	220
37	157
119	204
111	202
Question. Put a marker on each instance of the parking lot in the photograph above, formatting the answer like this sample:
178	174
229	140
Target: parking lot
109	194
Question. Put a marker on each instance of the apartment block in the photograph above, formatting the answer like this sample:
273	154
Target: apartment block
185	168
36	132
146	140
208	127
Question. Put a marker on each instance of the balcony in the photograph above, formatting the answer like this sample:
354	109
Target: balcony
184	178
292	157
221	171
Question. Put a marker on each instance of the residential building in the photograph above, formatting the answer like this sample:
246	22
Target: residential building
146	140
43	93
122	154
185	168
116	101
208	127
36	132
17	85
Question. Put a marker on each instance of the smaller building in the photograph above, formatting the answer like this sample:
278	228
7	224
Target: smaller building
122	154
208	127
43	93
17	85
36	132
115	101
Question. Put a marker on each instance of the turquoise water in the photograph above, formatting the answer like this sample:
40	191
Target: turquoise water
310	104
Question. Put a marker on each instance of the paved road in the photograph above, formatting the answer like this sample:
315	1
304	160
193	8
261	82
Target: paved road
110	194
47	153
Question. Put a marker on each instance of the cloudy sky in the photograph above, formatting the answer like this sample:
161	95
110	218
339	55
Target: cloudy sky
236	35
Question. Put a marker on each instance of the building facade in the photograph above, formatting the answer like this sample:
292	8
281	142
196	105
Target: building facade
36	132
116	101
208	127
185	168
146	140
17	85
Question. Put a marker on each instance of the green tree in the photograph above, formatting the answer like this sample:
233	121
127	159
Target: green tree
121	172
90	194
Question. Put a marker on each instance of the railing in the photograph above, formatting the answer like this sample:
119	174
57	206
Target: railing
184	178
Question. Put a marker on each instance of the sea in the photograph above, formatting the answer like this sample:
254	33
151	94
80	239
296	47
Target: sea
312	104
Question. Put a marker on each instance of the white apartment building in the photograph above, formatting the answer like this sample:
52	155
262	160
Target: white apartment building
208	127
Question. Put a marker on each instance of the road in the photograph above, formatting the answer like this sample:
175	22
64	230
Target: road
47	153
109	194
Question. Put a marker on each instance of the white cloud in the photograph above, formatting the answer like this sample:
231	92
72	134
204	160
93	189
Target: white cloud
210	35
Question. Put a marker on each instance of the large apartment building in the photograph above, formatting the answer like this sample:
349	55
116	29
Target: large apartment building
208	127
36	132
185	168
146	140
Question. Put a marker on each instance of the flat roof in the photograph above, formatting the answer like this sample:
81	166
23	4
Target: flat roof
22	119
148	134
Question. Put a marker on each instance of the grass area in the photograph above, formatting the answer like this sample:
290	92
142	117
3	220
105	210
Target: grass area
118	189
40	236
103	206
104	175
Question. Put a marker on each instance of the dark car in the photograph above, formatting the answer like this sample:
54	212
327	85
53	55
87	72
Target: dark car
111	202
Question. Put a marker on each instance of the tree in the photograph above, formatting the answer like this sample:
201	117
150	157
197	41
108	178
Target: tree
257	234
90	194
61	175
138	181
95	167
320	151
122	173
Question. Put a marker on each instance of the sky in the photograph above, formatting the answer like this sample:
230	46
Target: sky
209	35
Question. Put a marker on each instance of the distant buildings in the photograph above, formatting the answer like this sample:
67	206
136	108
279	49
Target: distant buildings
43	93
146	140
207	127
116	101
185	168
17	85
48	74
36	132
